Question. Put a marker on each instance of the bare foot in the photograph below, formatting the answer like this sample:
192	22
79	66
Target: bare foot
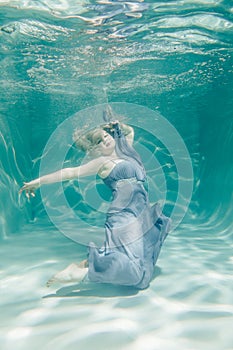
73	273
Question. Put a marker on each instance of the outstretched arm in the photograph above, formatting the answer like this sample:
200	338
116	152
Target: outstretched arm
65	174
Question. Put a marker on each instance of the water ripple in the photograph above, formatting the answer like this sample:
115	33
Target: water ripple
108	16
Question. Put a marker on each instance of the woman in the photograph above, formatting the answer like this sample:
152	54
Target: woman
134	231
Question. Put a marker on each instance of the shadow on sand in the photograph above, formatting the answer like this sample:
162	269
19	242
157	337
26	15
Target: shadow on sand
88	289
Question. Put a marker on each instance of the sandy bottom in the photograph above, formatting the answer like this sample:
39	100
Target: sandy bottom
189	304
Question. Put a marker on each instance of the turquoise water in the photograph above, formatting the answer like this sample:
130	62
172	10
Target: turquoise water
173	58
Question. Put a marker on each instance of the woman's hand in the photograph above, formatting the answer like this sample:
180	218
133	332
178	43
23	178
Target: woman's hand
114	123
111	125
30	188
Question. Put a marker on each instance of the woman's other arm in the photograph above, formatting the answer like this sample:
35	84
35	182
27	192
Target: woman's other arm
128	131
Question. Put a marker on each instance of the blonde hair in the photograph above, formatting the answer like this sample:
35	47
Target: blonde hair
86	141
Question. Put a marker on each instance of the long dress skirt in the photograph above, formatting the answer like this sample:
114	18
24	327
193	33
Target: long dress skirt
134	232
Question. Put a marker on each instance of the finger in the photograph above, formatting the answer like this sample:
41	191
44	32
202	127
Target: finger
22	189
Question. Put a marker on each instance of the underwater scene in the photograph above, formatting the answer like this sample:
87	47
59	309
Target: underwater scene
166	69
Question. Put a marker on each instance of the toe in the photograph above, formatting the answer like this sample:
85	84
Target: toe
49	282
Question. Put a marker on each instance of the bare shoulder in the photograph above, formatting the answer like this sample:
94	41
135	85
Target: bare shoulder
98	163
102	166
89	168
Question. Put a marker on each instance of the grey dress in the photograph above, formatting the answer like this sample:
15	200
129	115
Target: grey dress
135	231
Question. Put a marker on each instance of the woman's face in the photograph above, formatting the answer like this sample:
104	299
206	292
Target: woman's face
104	143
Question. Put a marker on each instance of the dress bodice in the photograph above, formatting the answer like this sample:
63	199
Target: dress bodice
125	169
